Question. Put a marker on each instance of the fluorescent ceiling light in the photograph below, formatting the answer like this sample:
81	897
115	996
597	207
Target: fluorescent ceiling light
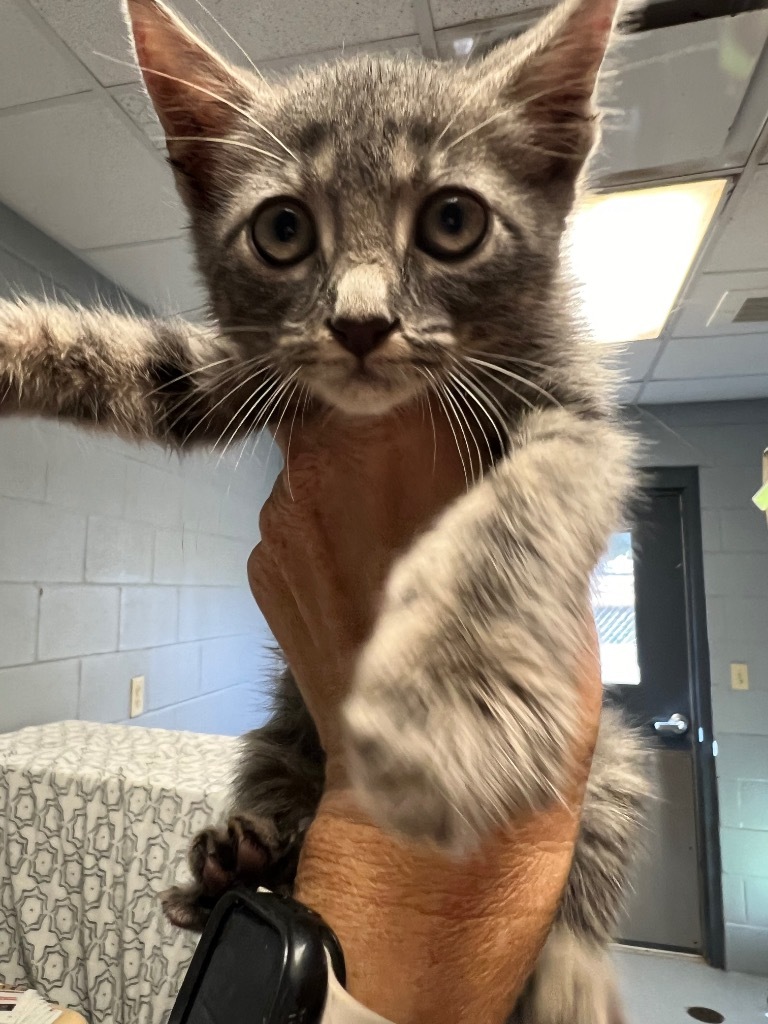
631	252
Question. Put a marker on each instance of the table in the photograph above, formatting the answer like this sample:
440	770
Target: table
95	821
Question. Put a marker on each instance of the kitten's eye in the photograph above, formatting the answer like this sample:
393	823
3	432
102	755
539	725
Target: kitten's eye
283	232
451	224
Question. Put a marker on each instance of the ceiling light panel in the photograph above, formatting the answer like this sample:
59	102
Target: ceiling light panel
631	252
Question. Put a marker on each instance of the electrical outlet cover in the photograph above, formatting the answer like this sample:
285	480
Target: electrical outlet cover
137	696
739	676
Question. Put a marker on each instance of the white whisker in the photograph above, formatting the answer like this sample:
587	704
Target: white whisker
434	434
229	393
459	383
470	95
477	128
252	401
507	387
516	376
232	39
302	397
461	420
445	409
185	406
222	142
262	416
270	383
305	404
510	358
484	395
206	92
190	373
280	420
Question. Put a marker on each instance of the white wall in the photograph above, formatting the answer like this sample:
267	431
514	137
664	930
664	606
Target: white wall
117	561
725	440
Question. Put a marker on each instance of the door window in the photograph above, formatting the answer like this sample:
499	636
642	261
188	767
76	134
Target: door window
613	603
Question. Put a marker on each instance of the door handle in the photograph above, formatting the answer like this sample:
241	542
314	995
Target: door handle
675	725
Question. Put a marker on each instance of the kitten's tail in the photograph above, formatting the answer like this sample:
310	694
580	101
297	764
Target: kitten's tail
611	835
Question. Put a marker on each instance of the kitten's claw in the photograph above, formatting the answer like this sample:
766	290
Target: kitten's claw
239	853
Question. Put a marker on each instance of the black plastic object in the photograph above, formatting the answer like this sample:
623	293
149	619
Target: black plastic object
261	960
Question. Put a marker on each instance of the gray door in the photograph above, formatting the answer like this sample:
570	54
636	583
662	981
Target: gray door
654	654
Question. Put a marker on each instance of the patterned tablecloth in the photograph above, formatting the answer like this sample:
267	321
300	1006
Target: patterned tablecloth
95	821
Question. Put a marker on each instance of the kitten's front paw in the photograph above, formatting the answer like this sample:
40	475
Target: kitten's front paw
239	853
450	729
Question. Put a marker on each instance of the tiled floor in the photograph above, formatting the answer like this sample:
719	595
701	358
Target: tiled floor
659	988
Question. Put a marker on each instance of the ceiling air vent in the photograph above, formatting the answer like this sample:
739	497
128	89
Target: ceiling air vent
740	306
666	13
753	311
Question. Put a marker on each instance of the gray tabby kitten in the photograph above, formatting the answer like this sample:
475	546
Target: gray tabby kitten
372	232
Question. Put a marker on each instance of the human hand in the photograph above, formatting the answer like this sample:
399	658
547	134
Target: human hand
427	940
352	496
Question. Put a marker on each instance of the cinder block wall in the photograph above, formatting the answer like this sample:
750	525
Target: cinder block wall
118	561
725	440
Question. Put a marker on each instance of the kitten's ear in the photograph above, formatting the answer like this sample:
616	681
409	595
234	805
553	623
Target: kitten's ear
550	74
196	94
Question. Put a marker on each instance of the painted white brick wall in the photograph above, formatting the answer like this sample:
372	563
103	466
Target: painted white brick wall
136	592
18	623
726	440
77	620
118	551
118	560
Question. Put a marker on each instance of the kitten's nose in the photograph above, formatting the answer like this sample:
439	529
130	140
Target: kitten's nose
361	336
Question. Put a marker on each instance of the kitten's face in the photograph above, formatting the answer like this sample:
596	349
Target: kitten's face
367	226
370	263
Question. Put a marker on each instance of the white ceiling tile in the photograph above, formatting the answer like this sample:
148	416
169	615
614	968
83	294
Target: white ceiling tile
269	30
478	37
703	298
713	357
457	12
89	27
634	361
713	389
161	274
31	68
744	243
78	172
138	106
402	45
265	31
675	98
672	98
